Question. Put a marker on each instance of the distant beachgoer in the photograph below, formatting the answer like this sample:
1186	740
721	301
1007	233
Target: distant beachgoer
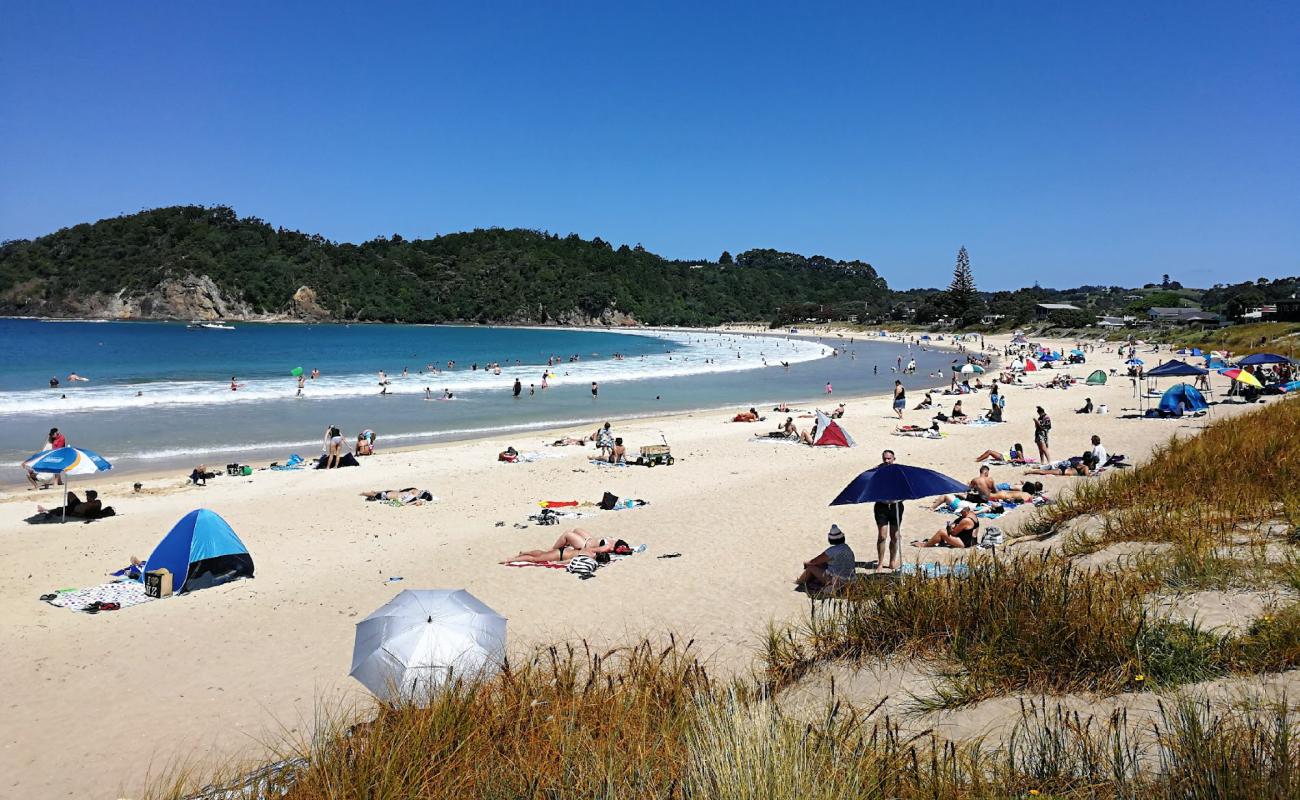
333	446
828	387
572	543
302	381
900	398
428	393
54	382
366	443
595	390
1042	429
234	385
447	395
532	389
56	439
315	373
1087	406
74	378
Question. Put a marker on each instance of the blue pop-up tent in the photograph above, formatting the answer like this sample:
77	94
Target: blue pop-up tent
201	551
1182	398
1175	369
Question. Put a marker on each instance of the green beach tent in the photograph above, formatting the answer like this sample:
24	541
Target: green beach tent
1097	378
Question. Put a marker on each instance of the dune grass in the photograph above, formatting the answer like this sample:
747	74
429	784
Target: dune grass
1238	475
646	723
1258	337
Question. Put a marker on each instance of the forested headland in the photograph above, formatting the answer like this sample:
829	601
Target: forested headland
207	262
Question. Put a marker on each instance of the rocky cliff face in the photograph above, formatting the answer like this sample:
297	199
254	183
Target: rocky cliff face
305	305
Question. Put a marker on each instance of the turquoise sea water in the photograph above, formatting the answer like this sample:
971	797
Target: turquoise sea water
159	394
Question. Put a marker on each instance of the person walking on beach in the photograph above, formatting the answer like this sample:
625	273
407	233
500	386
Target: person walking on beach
900	398
1042	426
889	517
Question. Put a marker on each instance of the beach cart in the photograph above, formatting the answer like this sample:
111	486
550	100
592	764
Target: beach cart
653	454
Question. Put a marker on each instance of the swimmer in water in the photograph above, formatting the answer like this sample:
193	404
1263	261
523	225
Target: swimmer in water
234	386
74	378
447	395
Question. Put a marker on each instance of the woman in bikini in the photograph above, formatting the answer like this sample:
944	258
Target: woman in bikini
576	542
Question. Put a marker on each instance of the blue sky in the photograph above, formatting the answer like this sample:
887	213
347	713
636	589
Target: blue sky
1106	143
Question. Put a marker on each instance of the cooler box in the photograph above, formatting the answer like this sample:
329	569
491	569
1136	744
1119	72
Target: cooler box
158	583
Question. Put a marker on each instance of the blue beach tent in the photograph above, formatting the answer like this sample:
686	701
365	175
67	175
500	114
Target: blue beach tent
1184	394
201	551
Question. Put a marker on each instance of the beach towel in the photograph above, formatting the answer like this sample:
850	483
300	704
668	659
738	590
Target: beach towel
603	463
124	593
547	564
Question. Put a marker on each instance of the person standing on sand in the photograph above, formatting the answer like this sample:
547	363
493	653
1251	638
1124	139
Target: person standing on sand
889	517
900	398
1042	426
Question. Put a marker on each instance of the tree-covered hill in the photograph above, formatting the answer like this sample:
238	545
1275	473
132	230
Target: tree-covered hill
149	265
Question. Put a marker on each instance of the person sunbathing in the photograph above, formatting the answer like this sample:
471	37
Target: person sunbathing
783	408
408	496
1015	456
576	542
569	441
959	533
1026	493
925	403
747	416
786	431
75	507
1074	465
957	414
618	453
838	412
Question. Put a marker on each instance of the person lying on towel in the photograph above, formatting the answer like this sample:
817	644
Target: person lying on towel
75	507
576	542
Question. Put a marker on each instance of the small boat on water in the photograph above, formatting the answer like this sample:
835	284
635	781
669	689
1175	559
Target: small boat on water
210	326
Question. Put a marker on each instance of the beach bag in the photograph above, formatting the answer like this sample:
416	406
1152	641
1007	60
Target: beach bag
245	470
582	566
993	537
608	502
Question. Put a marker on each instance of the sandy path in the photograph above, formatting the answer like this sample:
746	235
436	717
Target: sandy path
92	701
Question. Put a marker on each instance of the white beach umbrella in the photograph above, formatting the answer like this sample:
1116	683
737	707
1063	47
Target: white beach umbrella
67	461
422	639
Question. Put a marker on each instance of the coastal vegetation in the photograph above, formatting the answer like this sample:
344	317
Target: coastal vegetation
489	275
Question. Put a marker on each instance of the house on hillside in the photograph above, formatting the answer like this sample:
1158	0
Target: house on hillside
1044	310
1182	316
1110	322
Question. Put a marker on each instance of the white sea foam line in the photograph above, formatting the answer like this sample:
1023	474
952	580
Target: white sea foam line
703	353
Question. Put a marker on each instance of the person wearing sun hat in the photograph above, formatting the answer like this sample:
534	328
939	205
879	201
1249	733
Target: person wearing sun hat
832	567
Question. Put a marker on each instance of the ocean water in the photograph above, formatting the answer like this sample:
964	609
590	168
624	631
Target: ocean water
159	396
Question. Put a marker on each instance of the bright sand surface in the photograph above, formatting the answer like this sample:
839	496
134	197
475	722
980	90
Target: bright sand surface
93	702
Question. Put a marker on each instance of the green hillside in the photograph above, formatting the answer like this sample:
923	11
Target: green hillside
491	275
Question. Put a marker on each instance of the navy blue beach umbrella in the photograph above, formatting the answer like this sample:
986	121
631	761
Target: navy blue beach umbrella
889	483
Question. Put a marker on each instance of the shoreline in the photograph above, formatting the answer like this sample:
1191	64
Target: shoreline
120	480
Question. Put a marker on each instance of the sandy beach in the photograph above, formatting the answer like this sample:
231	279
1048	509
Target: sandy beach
95	702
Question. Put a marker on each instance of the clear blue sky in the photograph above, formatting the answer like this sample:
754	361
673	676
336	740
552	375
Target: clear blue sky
1108	143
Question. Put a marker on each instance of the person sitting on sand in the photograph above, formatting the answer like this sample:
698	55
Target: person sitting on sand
618	453
1015	456
366	443
747	416
200	475
75	507
783	408
981	486
830	569
959	533
1087	406
925	403
408	496
576	542
838	412
957	414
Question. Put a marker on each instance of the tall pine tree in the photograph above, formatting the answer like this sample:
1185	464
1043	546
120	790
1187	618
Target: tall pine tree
962	300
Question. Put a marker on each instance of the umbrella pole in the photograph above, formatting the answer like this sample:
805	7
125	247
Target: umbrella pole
65	502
